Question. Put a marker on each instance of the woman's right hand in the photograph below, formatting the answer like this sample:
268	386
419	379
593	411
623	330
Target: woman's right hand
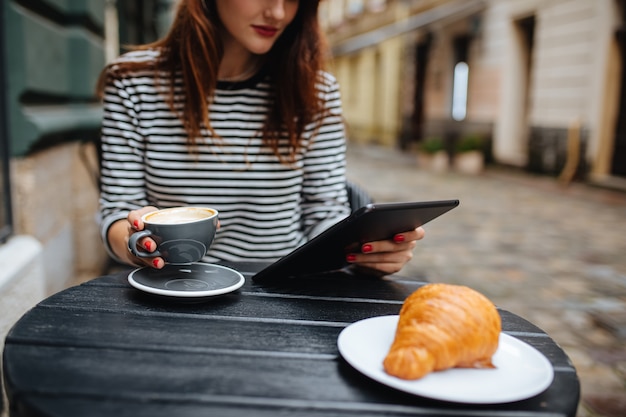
120	232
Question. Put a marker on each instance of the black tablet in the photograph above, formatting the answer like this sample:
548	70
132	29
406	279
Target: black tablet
327	251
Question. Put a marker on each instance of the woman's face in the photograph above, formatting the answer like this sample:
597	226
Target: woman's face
254	25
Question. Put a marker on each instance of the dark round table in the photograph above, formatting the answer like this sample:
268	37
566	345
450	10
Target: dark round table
104	348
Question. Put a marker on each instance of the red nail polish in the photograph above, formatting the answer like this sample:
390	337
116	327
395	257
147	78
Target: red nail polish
351	258
366	248
155	263
136	224
398	238
148	245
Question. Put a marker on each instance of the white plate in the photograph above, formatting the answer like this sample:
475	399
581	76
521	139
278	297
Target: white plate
196	280
521	371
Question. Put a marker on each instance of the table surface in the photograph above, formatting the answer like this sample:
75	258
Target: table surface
104	348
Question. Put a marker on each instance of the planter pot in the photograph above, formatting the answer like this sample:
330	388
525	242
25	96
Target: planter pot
436	162
472	162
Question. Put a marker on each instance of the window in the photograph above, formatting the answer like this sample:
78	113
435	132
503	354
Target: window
5	194
459	91
354	7
460	80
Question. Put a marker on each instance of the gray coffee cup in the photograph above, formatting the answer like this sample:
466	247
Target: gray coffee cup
183	234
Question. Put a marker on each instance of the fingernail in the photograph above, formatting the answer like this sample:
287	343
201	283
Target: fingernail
351	258
148	245
155	263
366	248
398	238
136	224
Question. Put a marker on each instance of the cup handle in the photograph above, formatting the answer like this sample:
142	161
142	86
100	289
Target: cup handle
132	245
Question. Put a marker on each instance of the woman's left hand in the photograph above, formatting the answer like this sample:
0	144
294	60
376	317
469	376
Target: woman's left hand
386	257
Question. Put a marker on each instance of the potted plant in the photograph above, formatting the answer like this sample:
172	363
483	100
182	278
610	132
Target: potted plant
431	154
469	155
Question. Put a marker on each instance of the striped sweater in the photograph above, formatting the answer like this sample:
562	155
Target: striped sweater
267	208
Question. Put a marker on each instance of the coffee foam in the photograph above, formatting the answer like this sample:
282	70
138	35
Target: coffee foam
179	215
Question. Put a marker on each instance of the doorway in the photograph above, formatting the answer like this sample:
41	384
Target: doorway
618	162
525	30
418	117
513	144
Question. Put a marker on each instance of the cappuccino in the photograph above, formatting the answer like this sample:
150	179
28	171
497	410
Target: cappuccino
179	215
182	234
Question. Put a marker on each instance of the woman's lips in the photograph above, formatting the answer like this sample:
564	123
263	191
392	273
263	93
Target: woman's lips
267	31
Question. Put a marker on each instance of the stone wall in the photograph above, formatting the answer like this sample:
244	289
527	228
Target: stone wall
55	200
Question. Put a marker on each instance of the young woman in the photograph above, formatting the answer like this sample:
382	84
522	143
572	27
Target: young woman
231	110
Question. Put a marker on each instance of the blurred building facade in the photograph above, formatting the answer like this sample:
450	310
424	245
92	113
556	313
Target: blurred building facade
51	55
540	80
532	76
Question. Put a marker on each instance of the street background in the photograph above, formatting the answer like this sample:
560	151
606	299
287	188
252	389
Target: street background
552	254
546	87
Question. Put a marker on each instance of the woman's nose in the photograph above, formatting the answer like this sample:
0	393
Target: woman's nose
275	10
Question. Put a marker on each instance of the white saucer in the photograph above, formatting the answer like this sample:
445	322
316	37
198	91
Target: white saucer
521	371
188	281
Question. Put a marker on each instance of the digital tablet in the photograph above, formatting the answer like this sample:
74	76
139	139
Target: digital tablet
327	251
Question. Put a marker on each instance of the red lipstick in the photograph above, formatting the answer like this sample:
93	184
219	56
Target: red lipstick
267	31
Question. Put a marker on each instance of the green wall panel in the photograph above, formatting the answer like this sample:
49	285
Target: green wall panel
37	54
85	61
53	65
90	8
61	5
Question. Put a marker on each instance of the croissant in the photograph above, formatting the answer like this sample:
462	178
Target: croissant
443	326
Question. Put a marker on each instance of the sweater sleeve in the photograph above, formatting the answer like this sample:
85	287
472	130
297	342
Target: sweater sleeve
324	196
122	170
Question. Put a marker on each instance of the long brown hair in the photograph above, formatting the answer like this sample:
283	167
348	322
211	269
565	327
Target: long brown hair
193	48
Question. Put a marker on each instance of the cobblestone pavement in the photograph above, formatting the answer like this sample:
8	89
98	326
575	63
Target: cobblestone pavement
553	254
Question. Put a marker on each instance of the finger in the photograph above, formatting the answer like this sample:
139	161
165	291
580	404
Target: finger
145	244
385	263
149	244
397	243
383	246
417	234
399	258
156	263
134	217
387	256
